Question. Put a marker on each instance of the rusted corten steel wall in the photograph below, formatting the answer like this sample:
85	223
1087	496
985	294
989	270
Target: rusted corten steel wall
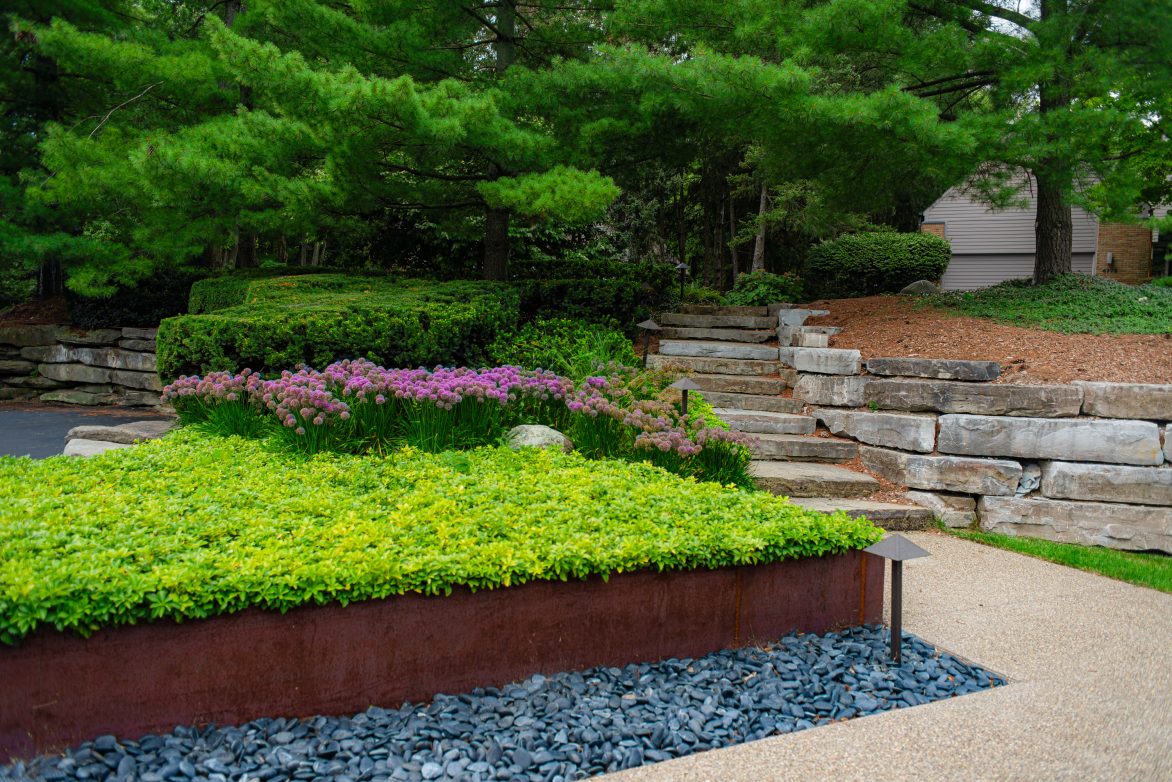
57	689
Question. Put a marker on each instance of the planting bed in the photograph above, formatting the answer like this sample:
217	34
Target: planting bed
558	727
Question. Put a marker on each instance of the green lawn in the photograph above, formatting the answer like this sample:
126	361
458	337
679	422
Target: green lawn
1149	570
1072	303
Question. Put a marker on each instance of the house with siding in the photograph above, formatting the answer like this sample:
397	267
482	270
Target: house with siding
994	245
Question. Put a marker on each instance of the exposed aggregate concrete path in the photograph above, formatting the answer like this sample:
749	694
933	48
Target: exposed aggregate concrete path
1089	663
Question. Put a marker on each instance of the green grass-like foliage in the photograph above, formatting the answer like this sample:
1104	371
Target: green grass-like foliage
572	348
756	289
1162	282
270	323
194	526
1071	303
1148	570
869	263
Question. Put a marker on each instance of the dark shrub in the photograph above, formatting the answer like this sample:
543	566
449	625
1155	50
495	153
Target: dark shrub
760	288
159	296
870	263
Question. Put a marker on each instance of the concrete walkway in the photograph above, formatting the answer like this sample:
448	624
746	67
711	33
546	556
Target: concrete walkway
1089	662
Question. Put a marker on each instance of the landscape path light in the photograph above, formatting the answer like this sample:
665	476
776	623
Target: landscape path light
648	326
897	548
683	268
684	385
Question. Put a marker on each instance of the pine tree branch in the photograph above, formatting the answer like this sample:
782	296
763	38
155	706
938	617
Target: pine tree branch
121	105
946	79
997	12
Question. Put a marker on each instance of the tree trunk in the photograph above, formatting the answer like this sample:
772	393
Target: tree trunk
759	244
1053	230
732	235
496	221
246	257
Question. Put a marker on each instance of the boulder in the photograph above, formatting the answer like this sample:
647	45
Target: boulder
144	345
951	396
935	368
840	391
957	511
90	447
75	373
1114	525
1127	400
128	433
90	337
890	430
822	361
136	333
537	436
1081	439
16	366
920	288
27	336
74	397
1107	483
146	381
944	473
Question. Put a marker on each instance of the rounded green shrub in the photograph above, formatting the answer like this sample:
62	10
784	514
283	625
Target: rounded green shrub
870	263
756	289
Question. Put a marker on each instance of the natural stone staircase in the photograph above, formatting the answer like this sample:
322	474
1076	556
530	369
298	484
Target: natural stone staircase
734	356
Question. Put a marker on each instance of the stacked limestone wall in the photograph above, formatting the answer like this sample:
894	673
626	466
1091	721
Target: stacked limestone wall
97	367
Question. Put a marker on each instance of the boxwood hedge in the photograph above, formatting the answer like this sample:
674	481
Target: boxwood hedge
194	526
870	263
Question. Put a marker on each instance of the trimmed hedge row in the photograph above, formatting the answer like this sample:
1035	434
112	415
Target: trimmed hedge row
194	526
870	263
317	319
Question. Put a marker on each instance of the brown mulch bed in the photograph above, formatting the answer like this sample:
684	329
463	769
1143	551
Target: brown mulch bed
892	326
38	312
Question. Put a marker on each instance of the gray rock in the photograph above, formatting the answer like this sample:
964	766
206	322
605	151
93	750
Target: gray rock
716	366
798	317
127	433
143	345
920	288
803	479
27	336
1117	442
823	361
138	398
33	381
75	373
1107	483
1127	400
51	354
1168	443
136	333
890	430
944	473
717	350
1128	527
840	391
953	510
74	397
764	402
727	335
537	436
91	447
950	396
800	448
935	368
90	337
752	310
811	340
114	358
740	384
765	421
146	381
717	321
1031	479
16	366
16	394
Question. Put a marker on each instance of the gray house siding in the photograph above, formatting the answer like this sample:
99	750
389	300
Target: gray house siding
969	272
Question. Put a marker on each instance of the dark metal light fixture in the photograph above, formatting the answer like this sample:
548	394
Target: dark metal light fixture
648	326
683	268
684	385
897	548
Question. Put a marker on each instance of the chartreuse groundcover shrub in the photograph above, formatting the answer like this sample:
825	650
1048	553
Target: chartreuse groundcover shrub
756	289
869	263
573	348
194	526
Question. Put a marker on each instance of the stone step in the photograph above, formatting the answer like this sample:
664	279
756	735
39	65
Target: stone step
728	335
823	361
797	448
888	515
807	479
721	309
697	347
760	402
740	384
717	321
764	422
716	366
797	316
791	335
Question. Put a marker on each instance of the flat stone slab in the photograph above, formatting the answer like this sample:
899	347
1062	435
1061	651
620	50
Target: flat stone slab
951	396
27	336
808	340
766	422
823	361
890	430
936	368
717	350
1127	527
73	396
91	447
740	384
145	381
75	373
1127	400
944	473
796	447
717	321
758	402
958	511
138	333
805	479
1116	442
728	335
798	317
888	515
1107	483
726	309
145	345
90	337
128	433
718	366
839	391
16	366
113	358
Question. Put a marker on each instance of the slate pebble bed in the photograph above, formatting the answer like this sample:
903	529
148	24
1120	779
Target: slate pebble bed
550	728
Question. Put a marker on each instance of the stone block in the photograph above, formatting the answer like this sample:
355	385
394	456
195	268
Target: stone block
75	373
90	337
16	366
145	381
1082	439
1127	400
944	473
957	511
128	433
798	317
717	350
812	340
822	361
28	336
739	384
115	358
952	396
715	366
935	368
1107	483
138	399
840	391
133	333
751	310
74	397
32	381
890	430
1114	525
48	354
717	321
144	345
91	447
727	335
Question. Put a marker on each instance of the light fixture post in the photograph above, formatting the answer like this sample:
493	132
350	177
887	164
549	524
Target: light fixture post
897	548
